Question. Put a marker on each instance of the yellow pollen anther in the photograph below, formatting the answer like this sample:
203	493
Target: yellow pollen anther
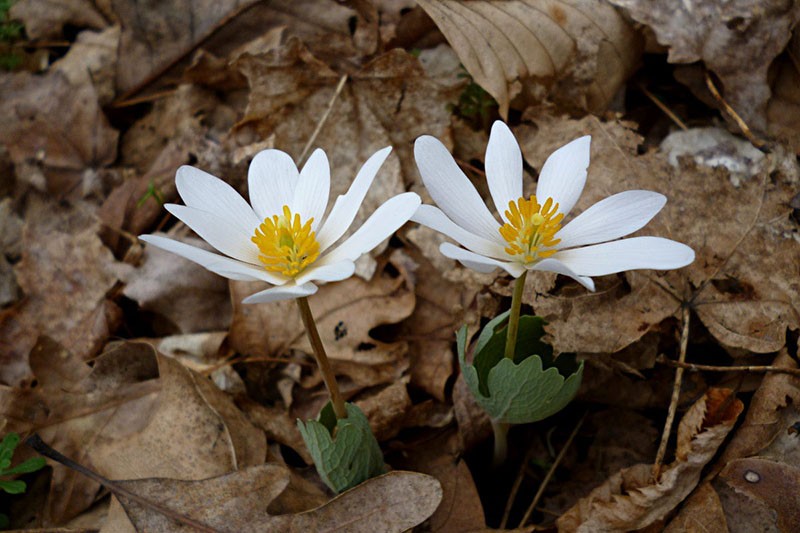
531	229
286	245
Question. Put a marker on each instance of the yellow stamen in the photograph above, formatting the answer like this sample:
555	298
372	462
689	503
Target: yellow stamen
286	244
531	228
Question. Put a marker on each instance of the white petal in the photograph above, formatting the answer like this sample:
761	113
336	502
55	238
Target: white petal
612	218
628	254
223	235
477	262
333	272
313	188
451	189
378	227
346	206
554	265
564	174
271	179
503	167
434	218
275	294
203	191
218	264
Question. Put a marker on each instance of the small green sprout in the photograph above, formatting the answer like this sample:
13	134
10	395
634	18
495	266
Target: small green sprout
14	486
474	104
10	31
152	192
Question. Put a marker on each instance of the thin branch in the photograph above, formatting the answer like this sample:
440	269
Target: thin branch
552	471
512	496
736	368
758	143
676	393
667	111
323	119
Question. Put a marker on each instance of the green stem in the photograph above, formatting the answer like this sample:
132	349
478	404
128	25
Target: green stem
500	430
513	318
322	359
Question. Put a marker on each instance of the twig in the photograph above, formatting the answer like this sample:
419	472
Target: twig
515	488
322	119
552	471
737	368
676	393
758	143
667	111
144	99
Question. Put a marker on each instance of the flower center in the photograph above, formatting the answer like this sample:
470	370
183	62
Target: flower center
531	229
286	245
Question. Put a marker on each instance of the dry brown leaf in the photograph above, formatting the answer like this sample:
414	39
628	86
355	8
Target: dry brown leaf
702	512
576	53
461	508
737	40
55	155
345	312
66	274
630	500
135	414
748	232
387	410
442	307
237	501
186	298
46	19
773	487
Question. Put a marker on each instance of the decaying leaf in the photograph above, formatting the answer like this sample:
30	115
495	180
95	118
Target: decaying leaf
442	307
53	155
134	414
461	508
631	500
738	41
576	53
66	274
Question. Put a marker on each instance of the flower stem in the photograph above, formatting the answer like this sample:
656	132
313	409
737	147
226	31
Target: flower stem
513	318
500	430
322	360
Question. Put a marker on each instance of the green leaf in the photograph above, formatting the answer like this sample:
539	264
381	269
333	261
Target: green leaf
31	465
348	458
7	447
531	387
12	487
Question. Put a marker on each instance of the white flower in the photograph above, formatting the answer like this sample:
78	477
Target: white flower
282	239
531	236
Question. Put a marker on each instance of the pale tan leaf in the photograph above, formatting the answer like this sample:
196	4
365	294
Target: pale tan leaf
574	52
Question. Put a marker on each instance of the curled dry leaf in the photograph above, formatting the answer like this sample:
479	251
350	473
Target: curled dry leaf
630	500
46	19
737	40
748	232
134	414
577	53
